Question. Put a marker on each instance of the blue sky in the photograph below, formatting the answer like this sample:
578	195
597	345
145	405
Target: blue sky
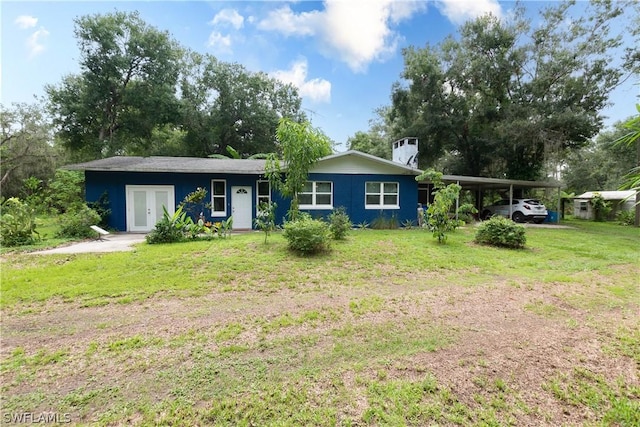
342	55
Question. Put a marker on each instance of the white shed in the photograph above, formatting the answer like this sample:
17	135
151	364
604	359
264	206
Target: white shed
619	200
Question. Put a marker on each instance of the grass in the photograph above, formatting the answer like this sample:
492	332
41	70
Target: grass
46	226
237	332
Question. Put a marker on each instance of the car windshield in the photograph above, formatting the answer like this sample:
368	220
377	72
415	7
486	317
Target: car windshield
533	202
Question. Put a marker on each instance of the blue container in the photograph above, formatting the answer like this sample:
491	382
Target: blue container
552	216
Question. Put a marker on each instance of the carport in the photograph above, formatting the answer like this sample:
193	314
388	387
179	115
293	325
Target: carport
479	185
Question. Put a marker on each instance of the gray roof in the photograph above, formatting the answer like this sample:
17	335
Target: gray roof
257	167
609	195
173	164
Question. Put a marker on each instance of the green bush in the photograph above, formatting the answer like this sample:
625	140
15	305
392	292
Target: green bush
76	222
601	208
626	217
467	213
17	223
339	223
66	191
307	236
101	206
499	231
171	228
381	222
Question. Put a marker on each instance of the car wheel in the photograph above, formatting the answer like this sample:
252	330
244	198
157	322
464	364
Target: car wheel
518	216
486	214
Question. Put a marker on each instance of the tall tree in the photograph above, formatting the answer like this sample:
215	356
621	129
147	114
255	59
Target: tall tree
302	146
602	164
377	141
226	105
26	147
125	89
503	98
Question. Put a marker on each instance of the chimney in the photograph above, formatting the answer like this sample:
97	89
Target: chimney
405	151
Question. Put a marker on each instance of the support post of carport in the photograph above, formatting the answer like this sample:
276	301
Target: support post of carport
510	201
457	201
559	206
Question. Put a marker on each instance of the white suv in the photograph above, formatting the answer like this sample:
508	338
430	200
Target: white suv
522	210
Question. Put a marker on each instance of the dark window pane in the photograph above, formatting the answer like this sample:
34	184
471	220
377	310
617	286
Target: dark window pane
323	187
263	188
323	199
308	187
304	199
390	200
373	187
373	199
390	188
218	204
218	188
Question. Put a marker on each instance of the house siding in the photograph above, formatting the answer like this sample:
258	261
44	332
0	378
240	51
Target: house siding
114	184
348	192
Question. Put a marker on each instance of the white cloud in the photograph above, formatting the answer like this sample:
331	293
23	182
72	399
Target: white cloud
228	16
219	43
315	90
26	21
356	32
34	42
459	11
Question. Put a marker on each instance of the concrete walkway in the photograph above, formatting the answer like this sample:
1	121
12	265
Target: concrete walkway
110	243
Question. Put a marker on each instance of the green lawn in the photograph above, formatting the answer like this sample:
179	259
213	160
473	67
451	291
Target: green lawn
389	328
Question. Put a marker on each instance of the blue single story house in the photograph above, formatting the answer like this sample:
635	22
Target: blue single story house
138	187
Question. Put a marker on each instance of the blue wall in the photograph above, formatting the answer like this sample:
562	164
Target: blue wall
184	183
348	191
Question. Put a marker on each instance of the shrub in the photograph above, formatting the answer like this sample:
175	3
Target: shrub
266	219
66	191
626	217
306	235
601	208
499	231
170	229
467	212
101	206
381	222
339	223
17	223
76	222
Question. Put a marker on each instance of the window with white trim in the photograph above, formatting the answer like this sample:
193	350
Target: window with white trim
382	195
218	197
263	193
316	195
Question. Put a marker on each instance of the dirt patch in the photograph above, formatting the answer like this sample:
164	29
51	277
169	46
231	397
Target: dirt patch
519	336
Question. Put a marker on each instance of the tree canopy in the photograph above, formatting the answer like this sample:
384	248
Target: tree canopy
225	105
26	147
126	87
602	164
140	93
302	146
508	96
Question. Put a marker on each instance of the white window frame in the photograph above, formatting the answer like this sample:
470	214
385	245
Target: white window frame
381	193
314	193
261	196
215	213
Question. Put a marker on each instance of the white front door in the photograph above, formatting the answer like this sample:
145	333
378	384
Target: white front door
241	207
144	205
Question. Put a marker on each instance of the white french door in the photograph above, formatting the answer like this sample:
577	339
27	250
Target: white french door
144	205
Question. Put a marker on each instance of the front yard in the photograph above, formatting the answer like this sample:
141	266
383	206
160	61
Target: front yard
390	328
